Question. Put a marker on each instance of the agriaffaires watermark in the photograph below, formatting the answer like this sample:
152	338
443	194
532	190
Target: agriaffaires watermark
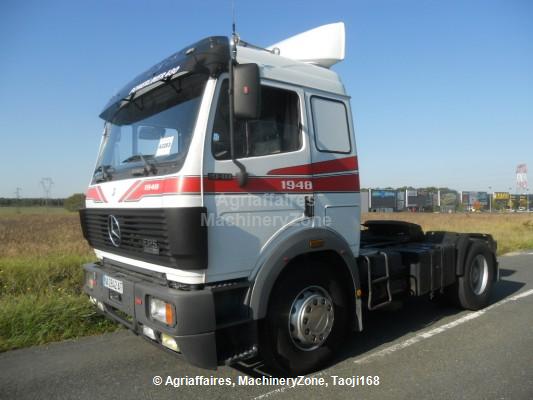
259	220
244	380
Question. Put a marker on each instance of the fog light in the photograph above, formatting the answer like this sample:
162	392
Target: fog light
169	342
100	306
93	300
90	279
161	311
147	331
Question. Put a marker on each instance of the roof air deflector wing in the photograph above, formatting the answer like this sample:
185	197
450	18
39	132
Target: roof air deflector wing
322	46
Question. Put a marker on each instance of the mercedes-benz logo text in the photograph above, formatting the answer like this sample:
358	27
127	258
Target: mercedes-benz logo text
113	230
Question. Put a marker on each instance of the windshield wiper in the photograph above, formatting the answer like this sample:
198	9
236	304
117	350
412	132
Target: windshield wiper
104	173
148	166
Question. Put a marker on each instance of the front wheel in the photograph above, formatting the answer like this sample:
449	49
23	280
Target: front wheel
306	320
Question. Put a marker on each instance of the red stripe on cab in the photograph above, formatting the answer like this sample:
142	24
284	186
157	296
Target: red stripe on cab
259	185
337	183
95	194
321	167
192	185
159	187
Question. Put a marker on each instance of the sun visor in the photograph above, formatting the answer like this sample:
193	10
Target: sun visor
208	56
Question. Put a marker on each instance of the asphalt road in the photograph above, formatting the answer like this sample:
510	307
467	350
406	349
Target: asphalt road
420	351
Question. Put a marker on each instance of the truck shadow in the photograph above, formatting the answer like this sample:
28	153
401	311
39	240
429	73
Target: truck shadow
387	325
506	272
415	314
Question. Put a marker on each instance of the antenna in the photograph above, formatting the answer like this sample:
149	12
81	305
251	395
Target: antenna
233	15
242	175
234	36
233	53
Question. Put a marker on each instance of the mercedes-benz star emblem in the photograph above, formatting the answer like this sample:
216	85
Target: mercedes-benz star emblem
113	230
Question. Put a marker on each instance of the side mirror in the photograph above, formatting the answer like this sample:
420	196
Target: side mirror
246	91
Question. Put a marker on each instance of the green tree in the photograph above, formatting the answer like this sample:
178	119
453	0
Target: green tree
75	202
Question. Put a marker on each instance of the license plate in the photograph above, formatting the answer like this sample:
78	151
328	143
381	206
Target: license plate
113	284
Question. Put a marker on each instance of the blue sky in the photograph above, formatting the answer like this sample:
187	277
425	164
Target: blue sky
442	91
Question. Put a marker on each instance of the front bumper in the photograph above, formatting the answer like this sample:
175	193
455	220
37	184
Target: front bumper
195	324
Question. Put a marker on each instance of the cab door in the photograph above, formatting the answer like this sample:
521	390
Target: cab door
335	165
274	151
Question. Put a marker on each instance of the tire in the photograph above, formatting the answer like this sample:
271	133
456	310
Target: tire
472	290
284	339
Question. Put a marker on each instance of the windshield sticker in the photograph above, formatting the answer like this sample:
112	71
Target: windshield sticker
164	146
162	75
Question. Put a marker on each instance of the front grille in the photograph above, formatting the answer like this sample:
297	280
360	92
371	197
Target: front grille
172	237
135	227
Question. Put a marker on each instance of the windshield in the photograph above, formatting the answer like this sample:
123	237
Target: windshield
150	135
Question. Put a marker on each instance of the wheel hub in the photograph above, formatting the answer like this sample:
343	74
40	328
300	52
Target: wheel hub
311	318
479	274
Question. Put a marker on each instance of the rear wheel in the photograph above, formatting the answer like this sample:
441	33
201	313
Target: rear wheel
472	290
306	320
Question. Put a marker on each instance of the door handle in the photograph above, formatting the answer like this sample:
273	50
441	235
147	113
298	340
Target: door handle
309	210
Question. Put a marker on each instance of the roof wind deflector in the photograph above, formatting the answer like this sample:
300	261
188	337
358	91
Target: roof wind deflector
323	46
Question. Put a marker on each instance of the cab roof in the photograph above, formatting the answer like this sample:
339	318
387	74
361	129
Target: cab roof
211	56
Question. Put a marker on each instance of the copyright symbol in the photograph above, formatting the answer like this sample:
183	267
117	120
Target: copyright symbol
157	380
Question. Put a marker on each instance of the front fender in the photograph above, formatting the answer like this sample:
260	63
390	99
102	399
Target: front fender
288	246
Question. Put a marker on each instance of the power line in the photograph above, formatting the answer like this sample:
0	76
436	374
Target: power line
17	195
47	183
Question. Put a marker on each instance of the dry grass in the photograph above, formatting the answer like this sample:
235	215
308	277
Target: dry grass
41	278
512	231
4	211
41	235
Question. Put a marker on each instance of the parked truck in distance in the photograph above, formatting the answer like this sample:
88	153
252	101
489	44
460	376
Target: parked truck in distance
224	211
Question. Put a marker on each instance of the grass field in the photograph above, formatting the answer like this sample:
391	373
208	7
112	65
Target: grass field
40	279
33	210
512	231
41	253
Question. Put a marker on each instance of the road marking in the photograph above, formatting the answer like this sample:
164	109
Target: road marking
284	388
520	295
432	332
415	339
517	253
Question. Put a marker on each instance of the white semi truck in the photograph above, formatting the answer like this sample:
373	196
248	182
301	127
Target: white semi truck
224	211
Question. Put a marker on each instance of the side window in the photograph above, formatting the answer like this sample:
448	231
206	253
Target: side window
277	131
330	121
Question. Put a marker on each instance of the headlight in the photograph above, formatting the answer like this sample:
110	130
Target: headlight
161	311
147	331
169	342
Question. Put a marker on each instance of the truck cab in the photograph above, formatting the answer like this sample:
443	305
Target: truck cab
224	207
